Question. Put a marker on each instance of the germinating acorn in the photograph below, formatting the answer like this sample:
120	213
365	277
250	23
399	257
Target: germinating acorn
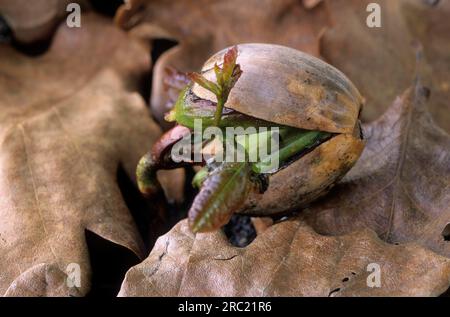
312	107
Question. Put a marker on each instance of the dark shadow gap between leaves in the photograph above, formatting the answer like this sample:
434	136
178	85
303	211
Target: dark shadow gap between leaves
446	233
34	49
177	212
148	213
38	48
109	263
5	31
145	82
106	8
31	49
159	47
446	293
240	231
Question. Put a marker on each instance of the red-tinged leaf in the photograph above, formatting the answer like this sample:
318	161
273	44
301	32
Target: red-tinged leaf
229	63
222	194
174	79
228	77
205	83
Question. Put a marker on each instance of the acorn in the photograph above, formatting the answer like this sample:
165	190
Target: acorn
309	107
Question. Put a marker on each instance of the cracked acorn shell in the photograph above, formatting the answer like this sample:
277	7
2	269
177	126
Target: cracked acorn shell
288	87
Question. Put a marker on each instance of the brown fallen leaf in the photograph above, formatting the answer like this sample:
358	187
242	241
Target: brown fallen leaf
400	185
431	26
381	61
288	259
209	26
68	121
35	20
172	183
261	224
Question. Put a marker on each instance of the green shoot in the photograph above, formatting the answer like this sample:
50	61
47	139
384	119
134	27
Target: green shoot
226	78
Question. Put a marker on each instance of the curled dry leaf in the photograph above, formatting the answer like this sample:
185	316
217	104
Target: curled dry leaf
219	24
288	259
174	82
400	185
35	20
261	223
66	126
381	61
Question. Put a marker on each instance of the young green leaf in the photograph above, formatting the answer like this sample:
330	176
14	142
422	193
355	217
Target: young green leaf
205	83
219	77
226	78
200	177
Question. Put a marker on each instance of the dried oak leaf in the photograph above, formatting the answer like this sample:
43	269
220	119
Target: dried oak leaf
400	187
35	20
431	26
288	259
381	61
68	120
204	27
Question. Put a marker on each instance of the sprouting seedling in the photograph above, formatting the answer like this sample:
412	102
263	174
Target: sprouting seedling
226	78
